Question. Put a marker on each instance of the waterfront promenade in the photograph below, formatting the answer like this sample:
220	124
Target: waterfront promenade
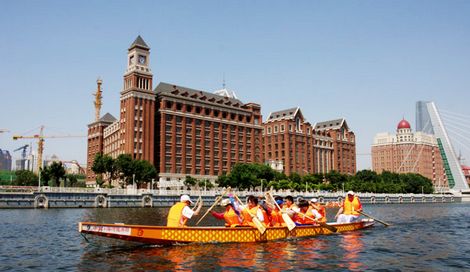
67	197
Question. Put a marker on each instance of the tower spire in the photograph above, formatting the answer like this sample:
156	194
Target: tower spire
98	97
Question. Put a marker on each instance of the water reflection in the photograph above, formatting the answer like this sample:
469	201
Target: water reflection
352	245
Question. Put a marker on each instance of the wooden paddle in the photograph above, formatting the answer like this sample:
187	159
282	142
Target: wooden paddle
325	225
217	200
375	219
261	228
289	222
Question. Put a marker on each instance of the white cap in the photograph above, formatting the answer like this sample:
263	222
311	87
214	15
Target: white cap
225	202
350	193
185	198
314	200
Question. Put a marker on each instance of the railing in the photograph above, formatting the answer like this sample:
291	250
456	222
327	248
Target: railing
193	192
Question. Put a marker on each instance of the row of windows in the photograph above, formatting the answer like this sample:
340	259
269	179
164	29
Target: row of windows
210	112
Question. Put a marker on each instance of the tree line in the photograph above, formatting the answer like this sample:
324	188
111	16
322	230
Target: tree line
51	175
124	168
249	176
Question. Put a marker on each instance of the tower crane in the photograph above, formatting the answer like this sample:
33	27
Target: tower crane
23	155
3	130
41	138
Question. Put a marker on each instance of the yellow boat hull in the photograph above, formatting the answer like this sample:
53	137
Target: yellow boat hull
170	235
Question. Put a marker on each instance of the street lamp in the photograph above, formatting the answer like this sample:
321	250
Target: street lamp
133	181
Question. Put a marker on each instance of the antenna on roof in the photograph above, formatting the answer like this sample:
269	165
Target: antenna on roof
223	82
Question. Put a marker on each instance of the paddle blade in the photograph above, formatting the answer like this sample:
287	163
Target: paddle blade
290	224
330	228
261	228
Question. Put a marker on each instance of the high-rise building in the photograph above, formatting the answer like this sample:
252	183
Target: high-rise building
423	121
408	152
5	160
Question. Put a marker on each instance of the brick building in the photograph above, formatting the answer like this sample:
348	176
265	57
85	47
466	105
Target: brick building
182	131
408	152
344	145
291	144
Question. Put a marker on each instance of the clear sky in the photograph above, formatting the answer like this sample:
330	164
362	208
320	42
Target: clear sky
366	61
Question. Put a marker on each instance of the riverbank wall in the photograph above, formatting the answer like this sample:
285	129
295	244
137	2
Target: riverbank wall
122	198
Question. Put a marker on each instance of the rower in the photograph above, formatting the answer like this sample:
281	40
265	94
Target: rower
289	206
306	215
320	208
350	210
232	218
181	212
254	209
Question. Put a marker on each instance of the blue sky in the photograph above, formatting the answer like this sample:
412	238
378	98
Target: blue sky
366	61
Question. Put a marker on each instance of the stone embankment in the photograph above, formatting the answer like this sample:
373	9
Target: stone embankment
51	197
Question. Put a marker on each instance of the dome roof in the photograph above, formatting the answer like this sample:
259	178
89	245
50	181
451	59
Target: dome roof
403	124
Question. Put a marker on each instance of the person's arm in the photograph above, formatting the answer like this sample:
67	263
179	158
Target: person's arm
340	211
317	214
217	215
259	214
359	207
198	209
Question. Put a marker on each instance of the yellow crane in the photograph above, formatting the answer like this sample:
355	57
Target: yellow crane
41	138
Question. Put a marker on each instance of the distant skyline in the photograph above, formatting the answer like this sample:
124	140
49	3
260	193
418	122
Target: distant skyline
366	61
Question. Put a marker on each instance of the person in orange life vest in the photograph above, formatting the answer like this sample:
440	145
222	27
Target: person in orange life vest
181	212
306	215
289	206
232	219
349	211
320	208
276	214
254	209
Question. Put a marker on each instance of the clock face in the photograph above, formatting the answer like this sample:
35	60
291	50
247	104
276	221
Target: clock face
141	59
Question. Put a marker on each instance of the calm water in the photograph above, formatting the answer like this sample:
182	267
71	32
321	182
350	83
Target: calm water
433	237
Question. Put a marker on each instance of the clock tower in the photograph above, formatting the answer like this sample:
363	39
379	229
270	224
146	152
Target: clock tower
137	115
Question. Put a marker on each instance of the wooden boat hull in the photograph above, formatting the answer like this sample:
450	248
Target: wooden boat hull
168	235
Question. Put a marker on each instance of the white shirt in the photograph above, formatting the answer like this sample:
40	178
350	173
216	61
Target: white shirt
187	212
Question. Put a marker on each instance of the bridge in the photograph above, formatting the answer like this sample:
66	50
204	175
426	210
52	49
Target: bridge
427	113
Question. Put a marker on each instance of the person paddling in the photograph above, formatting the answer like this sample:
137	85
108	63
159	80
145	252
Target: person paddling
320	208
253	208
230	215
349	211
306	215
181	212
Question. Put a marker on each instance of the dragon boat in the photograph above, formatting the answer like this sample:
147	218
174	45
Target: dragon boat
163	235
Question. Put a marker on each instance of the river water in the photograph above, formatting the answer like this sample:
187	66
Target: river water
423	237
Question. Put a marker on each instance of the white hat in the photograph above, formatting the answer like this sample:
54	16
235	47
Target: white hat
185	198
314	200
350	193
225	202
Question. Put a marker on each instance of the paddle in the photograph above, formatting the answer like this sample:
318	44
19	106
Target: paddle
325	225
261	228
289	222
217	200
375	219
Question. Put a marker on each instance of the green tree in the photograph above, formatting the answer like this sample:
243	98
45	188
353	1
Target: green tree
57	172
46	175
125	167
25	178
144	171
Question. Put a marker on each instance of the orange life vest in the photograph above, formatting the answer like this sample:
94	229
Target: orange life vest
322	211
276	218
351	207
231	218
175	215
302	218
248	221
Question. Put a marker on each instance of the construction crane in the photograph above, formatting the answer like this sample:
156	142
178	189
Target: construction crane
41	138
2	130
23	155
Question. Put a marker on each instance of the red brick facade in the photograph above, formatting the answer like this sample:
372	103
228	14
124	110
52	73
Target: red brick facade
202	134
